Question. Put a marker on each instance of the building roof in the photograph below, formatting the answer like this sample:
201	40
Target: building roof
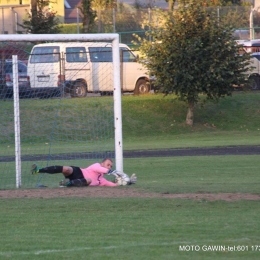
72	3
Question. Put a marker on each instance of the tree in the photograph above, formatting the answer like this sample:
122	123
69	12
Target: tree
41	19
88	15
171	4
100	5
191	54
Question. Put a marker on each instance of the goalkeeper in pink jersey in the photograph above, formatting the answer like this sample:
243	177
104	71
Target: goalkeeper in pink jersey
90	176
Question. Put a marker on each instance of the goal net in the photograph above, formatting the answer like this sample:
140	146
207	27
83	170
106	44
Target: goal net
60	102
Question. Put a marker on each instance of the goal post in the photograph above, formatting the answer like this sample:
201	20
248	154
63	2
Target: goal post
16	122
117	109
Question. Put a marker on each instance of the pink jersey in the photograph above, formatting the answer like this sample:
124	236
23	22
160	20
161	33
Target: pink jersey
96	172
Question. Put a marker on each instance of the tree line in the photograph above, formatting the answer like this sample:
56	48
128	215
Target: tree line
41	19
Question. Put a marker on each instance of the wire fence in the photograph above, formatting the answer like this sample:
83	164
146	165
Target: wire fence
127	19
132	19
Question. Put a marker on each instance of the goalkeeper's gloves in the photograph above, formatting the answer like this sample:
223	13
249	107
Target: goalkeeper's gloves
111	172
133	179
125	180
122	178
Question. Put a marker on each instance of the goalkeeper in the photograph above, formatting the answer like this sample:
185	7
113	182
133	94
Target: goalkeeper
93	175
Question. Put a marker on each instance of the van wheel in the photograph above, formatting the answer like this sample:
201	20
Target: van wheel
79	89
254	82
142	87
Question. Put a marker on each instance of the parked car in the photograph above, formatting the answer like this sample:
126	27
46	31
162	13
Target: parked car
6	79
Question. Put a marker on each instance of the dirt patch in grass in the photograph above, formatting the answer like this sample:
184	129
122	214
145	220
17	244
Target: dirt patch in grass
120	192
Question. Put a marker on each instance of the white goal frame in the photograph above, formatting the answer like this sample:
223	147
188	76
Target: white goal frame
114	38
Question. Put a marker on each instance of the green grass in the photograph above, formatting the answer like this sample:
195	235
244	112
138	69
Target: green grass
134	228
158	121
198	174
142	228
149	122
203	174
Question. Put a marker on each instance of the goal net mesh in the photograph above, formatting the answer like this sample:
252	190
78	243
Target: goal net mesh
55	127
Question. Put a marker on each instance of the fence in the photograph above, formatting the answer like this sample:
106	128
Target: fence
127	19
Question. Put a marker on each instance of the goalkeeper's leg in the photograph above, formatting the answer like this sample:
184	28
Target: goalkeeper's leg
50	169
71	172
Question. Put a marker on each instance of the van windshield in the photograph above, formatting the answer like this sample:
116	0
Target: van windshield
45	54
128	56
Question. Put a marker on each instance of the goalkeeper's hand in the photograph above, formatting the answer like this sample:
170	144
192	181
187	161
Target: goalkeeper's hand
118	174
123	179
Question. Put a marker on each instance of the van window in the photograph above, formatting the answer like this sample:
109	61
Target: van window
76	54
45	54
104	54
100	54
128	56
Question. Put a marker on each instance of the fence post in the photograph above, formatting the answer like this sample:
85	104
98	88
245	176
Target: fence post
149	18
251	24
77	20
114	20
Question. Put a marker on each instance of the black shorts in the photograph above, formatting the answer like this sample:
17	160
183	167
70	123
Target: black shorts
76	174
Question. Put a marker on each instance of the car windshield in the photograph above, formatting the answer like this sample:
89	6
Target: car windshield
9	67
22	68
256	55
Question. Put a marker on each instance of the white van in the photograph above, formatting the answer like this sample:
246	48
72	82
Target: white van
78	68
252	47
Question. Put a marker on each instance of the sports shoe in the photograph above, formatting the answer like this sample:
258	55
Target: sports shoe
35	169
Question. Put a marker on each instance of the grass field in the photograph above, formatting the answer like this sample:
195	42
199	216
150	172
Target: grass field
152	121
150	228
127	229
144	228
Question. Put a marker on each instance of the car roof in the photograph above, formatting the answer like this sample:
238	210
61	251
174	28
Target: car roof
253	43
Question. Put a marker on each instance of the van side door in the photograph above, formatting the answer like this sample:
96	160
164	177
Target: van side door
77	66
101	68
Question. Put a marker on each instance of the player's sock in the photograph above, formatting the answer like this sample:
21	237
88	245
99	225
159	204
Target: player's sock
51	169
